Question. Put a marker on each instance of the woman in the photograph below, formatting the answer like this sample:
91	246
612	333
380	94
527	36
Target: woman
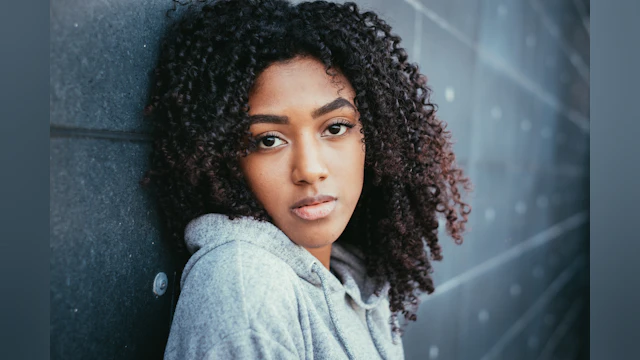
298	158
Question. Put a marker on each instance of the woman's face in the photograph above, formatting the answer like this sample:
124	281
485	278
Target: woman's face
310	146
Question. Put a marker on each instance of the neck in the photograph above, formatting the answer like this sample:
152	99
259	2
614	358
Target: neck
323	254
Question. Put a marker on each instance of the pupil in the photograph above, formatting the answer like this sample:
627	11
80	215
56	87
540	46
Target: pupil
334	127
269	141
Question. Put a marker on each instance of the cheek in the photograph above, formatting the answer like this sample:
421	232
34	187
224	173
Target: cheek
349	167
262	178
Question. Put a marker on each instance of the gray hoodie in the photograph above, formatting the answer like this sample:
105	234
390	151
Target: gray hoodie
249	292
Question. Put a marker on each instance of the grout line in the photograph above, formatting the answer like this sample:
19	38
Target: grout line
442	23
574	57
551	233
582	12
56	131
499	64
540	303
561	330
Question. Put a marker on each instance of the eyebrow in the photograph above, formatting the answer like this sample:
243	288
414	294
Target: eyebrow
336	104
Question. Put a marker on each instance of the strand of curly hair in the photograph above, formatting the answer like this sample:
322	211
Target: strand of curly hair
209	60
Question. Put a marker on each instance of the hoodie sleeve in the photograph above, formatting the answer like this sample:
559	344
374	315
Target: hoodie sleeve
250	344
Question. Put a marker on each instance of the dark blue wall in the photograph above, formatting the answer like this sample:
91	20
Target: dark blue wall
510	77
105	241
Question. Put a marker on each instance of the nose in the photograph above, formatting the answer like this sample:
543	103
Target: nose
309	166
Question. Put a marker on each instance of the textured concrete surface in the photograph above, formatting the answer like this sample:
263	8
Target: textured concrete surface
105	253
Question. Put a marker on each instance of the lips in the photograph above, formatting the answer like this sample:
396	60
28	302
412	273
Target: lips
314	208
313	200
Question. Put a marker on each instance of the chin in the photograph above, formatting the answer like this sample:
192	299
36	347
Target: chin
316	238
315	244
314	234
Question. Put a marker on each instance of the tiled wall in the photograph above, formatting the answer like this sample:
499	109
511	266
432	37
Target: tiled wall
512	80
510	77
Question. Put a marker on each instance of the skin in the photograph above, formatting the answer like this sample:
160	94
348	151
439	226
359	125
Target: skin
308	155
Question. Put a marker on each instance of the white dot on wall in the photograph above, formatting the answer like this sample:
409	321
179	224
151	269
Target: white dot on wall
496	112
483	316
538	272
489	214
75	25
533	342
546	132
525	125
531	40
515	290
521	207
542	201
549	319
433	352
502	10
449	93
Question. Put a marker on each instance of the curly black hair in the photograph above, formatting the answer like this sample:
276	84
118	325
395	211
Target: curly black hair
210	58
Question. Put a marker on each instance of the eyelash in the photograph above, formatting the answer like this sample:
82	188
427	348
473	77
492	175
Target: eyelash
343	122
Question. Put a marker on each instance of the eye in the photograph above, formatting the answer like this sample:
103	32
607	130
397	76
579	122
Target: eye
269	142
339	128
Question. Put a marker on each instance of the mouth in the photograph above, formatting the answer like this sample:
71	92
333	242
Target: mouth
314	208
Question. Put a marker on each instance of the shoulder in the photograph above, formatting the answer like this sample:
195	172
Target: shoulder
233	264
233	287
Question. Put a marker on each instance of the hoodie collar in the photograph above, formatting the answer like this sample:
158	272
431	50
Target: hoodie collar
348	263
212	230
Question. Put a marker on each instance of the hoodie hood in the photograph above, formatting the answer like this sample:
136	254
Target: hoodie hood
347	262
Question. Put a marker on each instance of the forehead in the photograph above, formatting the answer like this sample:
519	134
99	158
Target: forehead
300	82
